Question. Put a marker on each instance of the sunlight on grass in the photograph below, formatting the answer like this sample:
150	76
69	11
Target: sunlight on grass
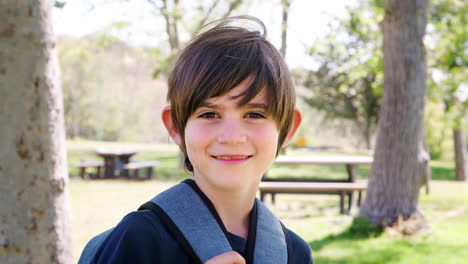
100	204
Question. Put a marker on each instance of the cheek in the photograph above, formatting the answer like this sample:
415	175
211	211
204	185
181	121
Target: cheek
267	138
196	136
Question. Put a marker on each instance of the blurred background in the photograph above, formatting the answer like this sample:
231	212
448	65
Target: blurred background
115	57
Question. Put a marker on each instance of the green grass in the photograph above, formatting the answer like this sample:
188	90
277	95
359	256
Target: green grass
100	204
315	218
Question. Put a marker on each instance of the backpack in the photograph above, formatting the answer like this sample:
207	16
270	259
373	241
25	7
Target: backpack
186	212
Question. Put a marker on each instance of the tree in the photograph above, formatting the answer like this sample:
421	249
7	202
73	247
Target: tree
175	18
284	26
450	60
348	81
399	156
34	200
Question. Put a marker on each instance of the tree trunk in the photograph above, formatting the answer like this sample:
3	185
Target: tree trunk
34	200
461	170
366	134
284	27
399	154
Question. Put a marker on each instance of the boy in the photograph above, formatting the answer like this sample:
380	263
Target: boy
232	108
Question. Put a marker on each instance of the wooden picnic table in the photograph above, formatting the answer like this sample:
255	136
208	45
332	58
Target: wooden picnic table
350	162
114	161
342	187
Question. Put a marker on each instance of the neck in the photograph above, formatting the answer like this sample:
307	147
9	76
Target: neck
233	207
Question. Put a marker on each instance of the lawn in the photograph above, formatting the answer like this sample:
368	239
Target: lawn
100	204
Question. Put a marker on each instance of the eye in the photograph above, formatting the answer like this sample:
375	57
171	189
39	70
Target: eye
208	115
255	115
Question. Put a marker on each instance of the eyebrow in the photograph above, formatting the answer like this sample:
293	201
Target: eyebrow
257	105
208	105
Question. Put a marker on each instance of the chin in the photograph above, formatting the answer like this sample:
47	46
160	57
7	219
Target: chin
228	182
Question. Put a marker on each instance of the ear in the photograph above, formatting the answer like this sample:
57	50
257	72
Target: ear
169	124
297	119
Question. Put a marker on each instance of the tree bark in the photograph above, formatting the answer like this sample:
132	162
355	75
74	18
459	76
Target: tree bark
399	156
35	219
461	170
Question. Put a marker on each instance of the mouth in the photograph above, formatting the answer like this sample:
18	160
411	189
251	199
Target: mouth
232	159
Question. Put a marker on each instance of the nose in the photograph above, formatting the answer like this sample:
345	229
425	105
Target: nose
232	132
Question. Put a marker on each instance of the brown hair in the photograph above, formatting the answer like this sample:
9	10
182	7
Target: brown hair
220	59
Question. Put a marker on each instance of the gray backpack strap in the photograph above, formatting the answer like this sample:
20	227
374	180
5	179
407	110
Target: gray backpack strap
270	242
90	250
189	212
194	220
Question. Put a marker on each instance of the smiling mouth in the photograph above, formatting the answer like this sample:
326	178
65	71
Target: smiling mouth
232	157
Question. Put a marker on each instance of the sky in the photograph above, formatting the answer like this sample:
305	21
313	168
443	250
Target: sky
308	21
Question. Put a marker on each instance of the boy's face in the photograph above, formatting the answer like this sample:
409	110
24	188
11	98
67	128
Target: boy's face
231	146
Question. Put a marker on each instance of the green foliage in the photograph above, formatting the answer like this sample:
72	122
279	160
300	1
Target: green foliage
59	4
448	58
164	65
361	227
438	132
448	82
108	90
348	81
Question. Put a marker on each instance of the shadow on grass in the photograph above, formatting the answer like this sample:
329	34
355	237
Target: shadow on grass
345	247
442	173
359	229
364	256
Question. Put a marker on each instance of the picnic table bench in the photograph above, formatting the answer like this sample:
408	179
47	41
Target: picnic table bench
136	166
340	188
85	164
343	187
116	164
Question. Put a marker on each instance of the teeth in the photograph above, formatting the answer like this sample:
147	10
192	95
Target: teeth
231	157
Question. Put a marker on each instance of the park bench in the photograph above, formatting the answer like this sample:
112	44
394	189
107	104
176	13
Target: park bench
85	164
136	166
343	189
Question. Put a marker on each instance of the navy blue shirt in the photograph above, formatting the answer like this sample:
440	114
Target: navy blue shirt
141	237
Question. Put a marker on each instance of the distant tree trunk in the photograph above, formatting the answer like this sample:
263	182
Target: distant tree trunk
35	216
461	170
399	156
367	139
172	22
284	27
